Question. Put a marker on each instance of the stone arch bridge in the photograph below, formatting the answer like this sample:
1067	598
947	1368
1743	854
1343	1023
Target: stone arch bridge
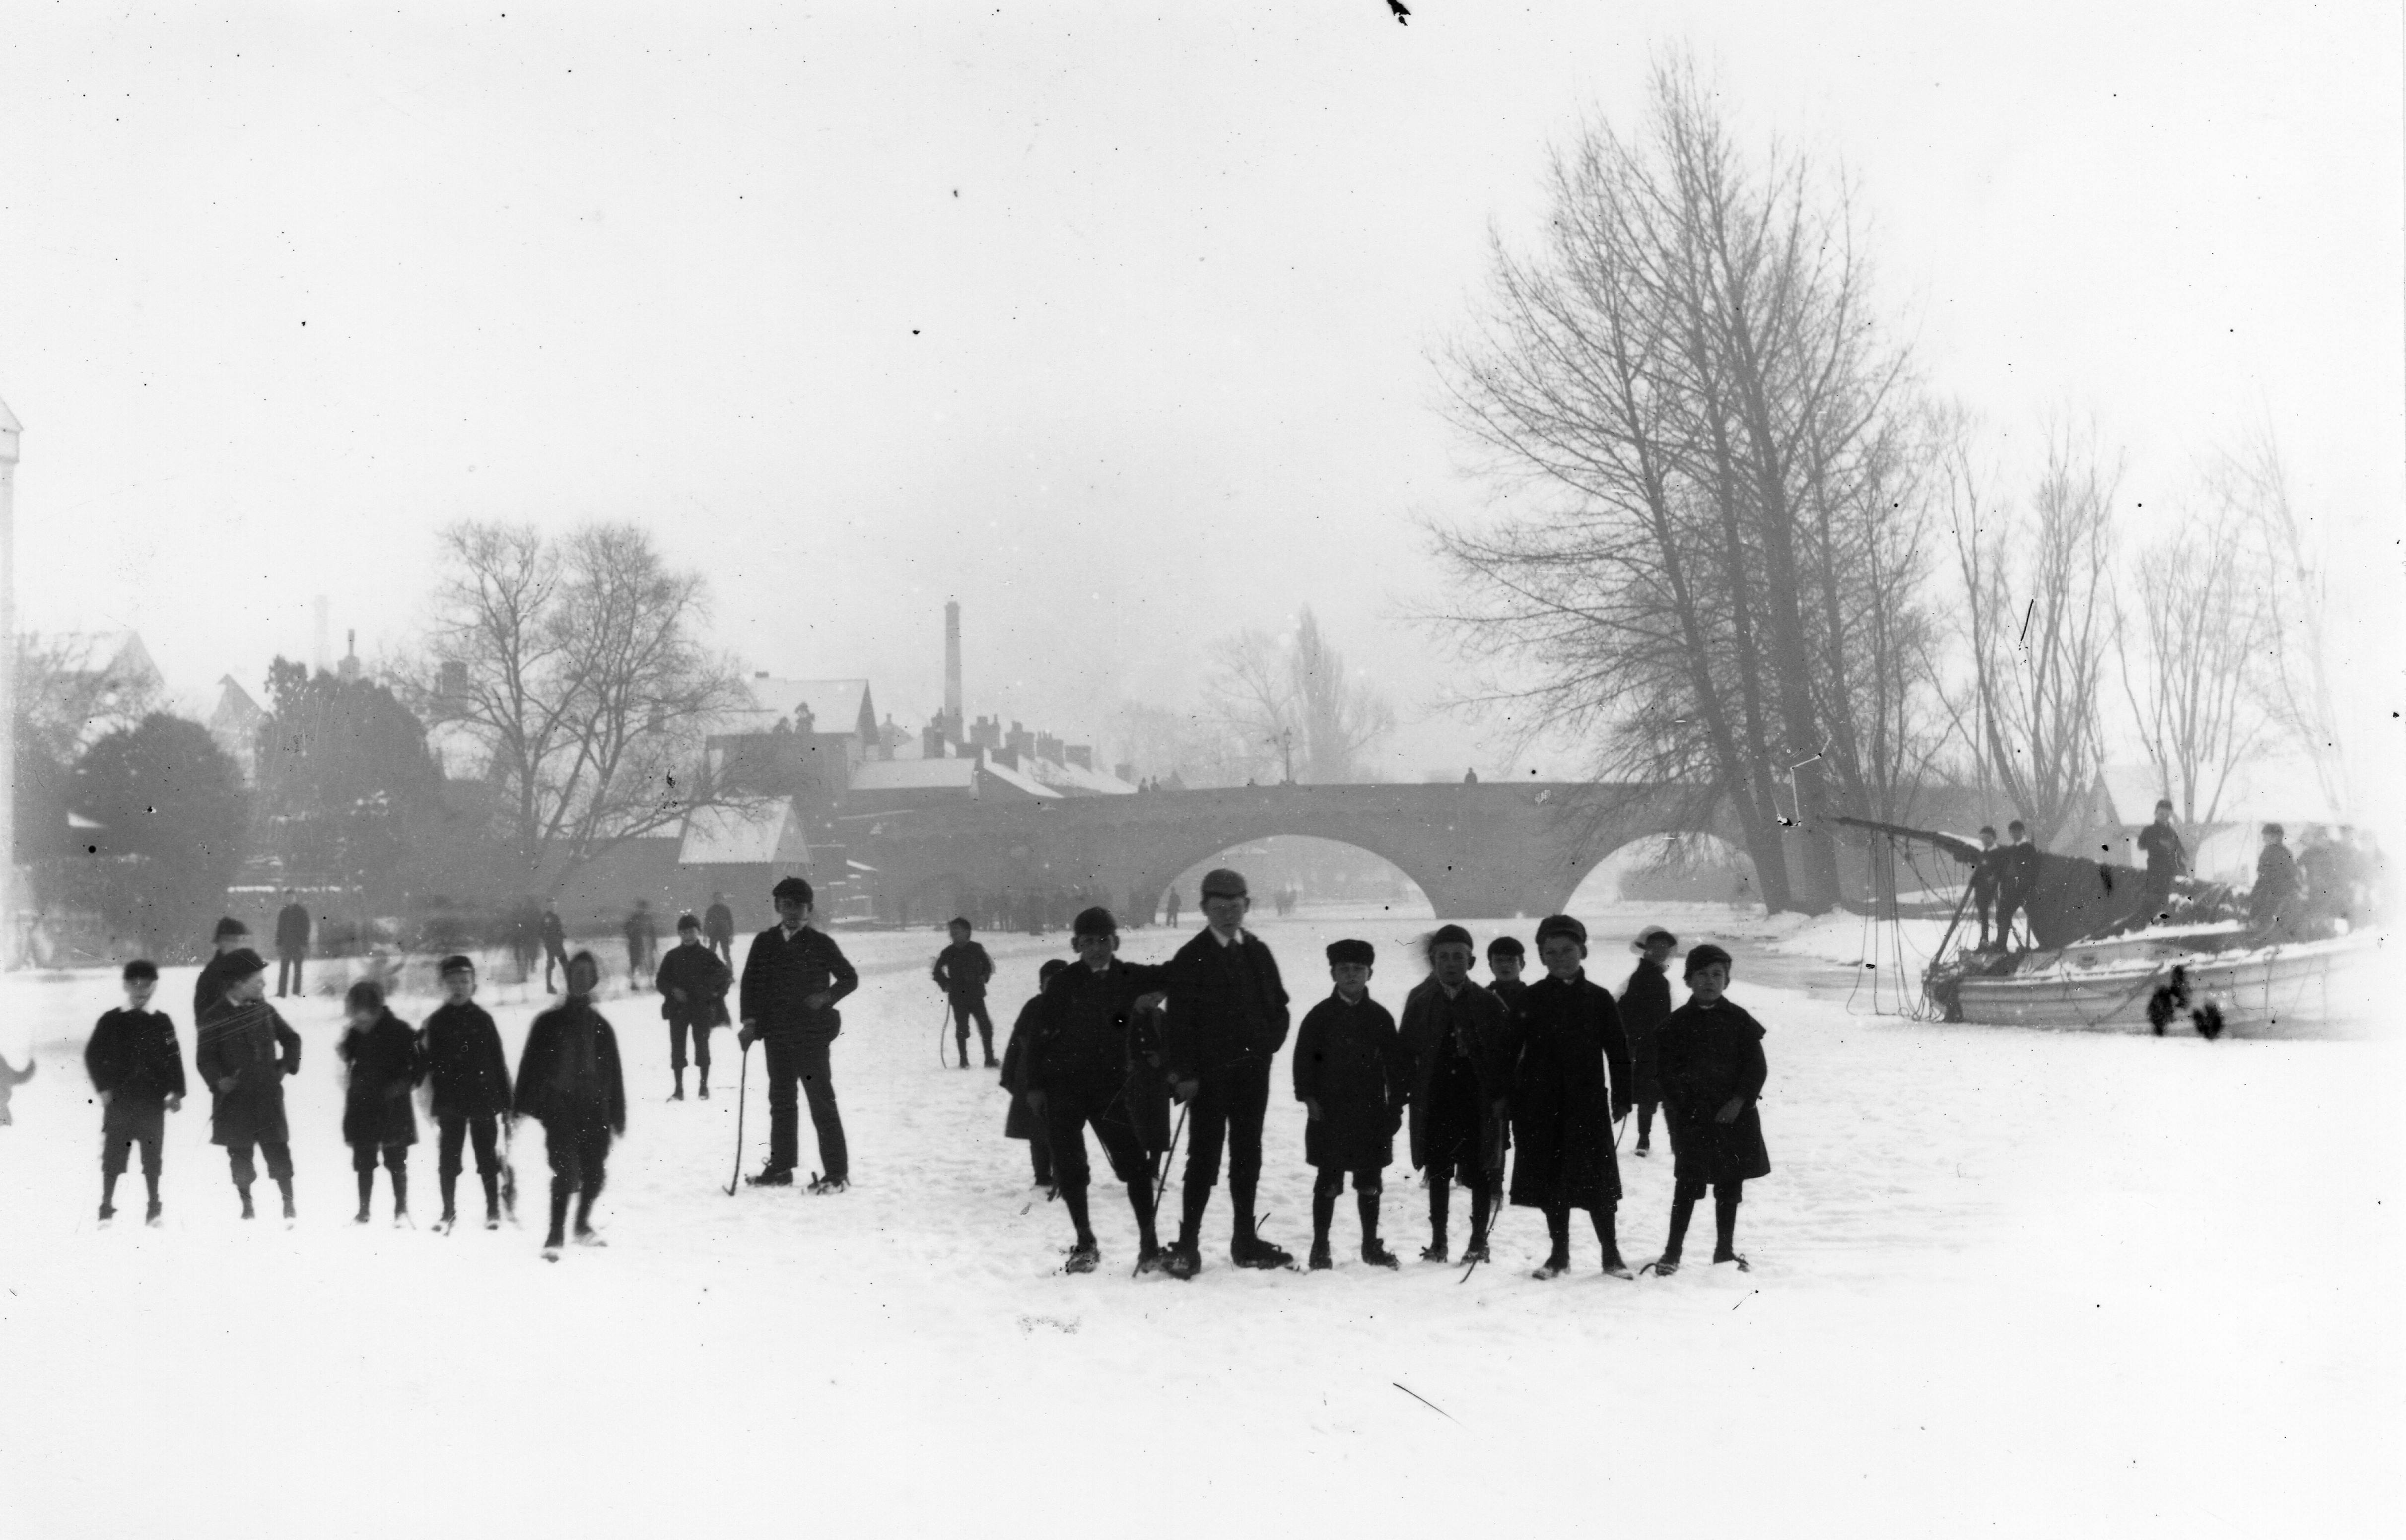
1478	851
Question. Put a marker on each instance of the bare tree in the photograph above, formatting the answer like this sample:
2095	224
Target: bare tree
1341	716
68	698
1252	701
1689	377
2201	628
2038	616
578	668
2252	485
1290	704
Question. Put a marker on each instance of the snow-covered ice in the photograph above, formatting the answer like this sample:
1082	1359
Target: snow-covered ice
2007	1283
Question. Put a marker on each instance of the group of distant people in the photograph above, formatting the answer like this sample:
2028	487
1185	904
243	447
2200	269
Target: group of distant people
2294	893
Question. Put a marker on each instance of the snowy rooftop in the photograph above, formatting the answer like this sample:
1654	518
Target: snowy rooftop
764	836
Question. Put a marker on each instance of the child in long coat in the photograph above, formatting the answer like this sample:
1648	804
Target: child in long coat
138	1071
386	1063
243	1050
1569	1087
471	1078
1645	1006
571	1082
1349	1076
1713	1071
1021	1122
1457	1055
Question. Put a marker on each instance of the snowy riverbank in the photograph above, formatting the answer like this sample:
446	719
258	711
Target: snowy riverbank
2005	1281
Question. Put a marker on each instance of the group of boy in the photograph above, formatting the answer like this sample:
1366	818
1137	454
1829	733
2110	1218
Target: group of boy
1545	1069
569	1079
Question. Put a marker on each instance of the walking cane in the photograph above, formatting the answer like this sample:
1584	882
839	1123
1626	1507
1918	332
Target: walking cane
742	1077
943	1027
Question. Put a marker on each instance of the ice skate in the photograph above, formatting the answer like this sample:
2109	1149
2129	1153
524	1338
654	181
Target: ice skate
772	1176
1181	1261
1256	1252
590	1237
1320	1259
445	1226
1085	1257
1554	1267
1375	1252
827	1186
1435	1250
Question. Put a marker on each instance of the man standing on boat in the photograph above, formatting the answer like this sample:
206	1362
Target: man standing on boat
2018	874
2272	906
2167	858
1987	876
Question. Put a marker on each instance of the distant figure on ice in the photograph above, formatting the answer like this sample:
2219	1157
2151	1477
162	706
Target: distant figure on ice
718	928
1506	958
385	1065
1349	1075
1227	1021
526	933
693	985
471	1077
1569	1086
137	1072
962	970
232	936
1022	1122
1987	880
1645	1006
2167	858
243	1050
570	1082
1085	1069
643	935
793	977
292	942
1170	919
555	944
11	1078
2272	905
1456	1044
1713	1072
2017	880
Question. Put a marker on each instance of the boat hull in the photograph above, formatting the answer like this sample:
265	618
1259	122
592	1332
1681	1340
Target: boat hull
2308	989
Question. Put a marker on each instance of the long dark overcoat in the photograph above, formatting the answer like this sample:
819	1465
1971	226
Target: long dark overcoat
464	1060
1430	1024
1645	1006
1349	1059
386	1061
250	1043
1568	1037
696	971
1708	1056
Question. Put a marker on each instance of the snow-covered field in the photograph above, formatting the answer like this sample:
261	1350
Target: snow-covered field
2005	1282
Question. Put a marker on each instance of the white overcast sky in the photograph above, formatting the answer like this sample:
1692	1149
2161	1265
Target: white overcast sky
1113	323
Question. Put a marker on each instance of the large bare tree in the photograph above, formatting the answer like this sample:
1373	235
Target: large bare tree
1715	578
1291	704
2250	486
577	666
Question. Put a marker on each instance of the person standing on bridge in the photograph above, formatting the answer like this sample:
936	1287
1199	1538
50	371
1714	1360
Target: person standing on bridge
1227	1021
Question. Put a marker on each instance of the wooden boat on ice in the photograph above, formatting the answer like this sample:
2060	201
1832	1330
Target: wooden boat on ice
2086	971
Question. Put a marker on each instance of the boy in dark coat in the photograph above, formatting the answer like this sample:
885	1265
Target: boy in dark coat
1347	1074
385	1065
1021	1121
2273	904
1227	1021
961	971
138	1071
1083	1071
1506	958
570	1082
1457	1057
1569	1087
470	1077
1645	1006
793	976
693	985
244	1052
1713	1072
1988	881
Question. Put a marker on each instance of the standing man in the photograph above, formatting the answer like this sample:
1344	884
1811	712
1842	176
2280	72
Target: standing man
2018	863
961	972
718	929
1227	1021
555	944
693	997
643	941
292	942
793	976
1171	918
2272	905
2167	858
1988	879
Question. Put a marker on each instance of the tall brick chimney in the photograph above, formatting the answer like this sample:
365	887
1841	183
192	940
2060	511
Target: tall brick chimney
957	725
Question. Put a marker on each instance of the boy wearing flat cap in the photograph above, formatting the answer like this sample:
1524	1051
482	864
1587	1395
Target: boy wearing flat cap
1713	1072
793	977
243	1050
1569	1087
471	1077
1227	1021
1086	1066
1506	959
1645	1006
1349	1076
693	985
